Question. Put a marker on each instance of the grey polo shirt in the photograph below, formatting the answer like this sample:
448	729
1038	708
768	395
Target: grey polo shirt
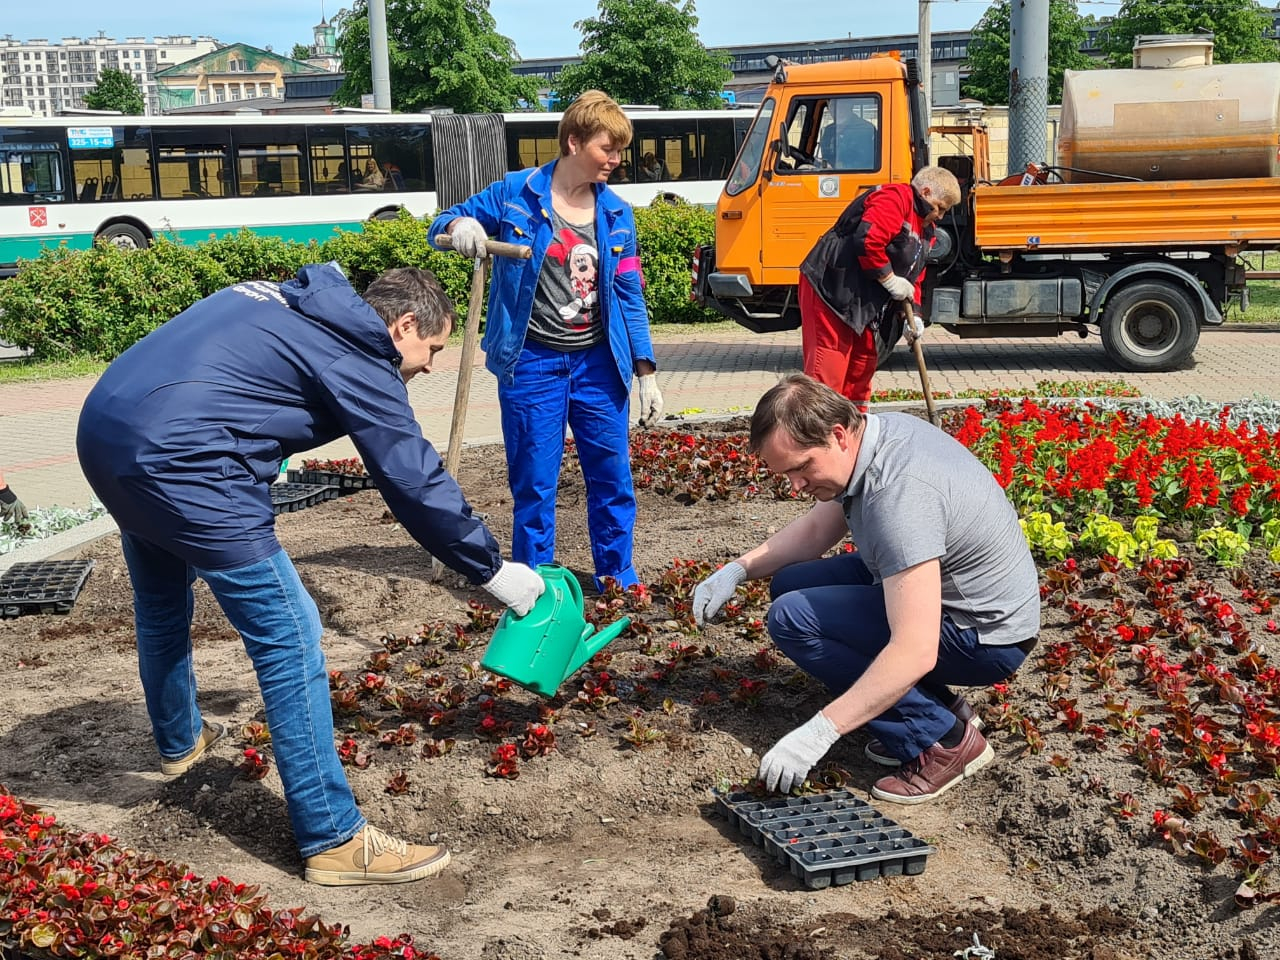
917	494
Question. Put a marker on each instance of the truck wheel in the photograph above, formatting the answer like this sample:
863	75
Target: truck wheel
124	236
883	351
1150	326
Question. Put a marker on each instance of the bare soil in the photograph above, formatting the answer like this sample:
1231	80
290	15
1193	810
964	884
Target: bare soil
602	848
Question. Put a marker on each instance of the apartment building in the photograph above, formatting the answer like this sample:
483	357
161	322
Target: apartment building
52	77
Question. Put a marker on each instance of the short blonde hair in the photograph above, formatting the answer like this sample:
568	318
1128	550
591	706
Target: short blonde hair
594	112
942	184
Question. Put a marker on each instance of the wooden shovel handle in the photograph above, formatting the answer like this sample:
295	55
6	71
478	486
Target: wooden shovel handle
493	248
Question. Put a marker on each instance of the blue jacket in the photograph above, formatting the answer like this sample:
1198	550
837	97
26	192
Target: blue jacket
184	433
517	209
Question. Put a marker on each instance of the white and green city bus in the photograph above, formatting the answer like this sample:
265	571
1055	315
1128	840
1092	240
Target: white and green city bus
127	180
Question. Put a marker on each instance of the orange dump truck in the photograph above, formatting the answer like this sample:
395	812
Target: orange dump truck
1163	178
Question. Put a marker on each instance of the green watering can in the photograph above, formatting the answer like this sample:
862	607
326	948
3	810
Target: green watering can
549	643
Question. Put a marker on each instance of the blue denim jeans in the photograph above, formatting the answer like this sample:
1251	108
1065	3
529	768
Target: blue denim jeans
280	626
829	618
552	388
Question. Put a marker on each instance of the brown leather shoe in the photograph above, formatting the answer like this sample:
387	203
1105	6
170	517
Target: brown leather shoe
372	856
210	734
936	770
876	752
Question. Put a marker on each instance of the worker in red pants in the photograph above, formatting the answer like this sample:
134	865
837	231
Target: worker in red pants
872	258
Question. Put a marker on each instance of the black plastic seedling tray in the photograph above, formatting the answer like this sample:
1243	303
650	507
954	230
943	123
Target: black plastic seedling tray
47	586
345	482
287	497
829	838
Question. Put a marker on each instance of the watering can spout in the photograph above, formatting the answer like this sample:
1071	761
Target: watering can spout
593	643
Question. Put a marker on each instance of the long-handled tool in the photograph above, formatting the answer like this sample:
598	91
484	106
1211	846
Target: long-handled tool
918	350
470	339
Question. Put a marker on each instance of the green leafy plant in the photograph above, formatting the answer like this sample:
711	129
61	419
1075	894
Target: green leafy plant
1227	547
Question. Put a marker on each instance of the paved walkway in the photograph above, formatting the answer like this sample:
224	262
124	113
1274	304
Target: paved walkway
718	372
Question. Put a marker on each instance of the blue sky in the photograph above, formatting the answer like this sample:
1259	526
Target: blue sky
540	28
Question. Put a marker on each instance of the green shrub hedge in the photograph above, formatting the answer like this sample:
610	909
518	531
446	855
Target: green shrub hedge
96	303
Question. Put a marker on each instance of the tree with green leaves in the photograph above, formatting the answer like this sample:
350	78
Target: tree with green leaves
988	60
1239	28
116	90
300	51
442	53
646	51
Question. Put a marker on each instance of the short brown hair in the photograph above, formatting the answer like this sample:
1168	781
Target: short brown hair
594	112
413	290
806	409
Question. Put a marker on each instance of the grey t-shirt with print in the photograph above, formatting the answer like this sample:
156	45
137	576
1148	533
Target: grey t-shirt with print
918	494
566	305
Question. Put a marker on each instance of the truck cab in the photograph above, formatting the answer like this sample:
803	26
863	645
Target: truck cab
824	133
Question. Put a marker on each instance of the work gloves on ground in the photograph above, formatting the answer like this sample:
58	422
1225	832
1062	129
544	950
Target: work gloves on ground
715	591
468	237
517	586
650	400
11	508
792	757
913	329
900	288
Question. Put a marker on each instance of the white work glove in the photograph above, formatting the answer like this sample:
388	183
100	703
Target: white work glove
792	757
715	591
516	585
468	237
913	330
650	400
900	288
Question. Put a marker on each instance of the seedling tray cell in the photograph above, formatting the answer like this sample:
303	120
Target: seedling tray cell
47	586
345	482
287	497
829	838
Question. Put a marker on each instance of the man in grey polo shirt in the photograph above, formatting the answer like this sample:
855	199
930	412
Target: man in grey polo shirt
941	590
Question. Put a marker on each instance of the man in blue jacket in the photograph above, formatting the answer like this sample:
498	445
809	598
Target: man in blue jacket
181	439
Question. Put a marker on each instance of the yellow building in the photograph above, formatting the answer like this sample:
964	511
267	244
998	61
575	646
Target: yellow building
236	72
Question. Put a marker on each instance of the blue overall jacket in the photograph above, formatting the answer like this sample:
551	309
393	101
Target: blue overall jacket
517	209
185	431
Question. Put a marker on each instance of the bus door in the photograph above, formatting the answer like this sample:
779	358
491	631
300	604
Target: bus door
824	150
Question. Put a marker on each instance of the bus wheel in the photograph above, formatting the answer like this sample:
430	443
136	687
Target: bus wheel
1150	326
124	236
386	215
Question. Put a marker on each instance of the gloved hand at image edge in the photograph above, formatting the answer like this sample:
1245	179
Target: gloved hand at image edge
517	586
792	757
715	591
12	509
650	400
900	288
468	237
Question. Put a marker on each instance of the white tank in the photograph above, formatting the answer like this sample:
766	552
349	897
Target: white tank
1175	123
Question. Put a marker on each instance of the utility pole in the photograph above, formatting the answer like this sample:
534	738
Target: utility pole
378	59
924	56
1028	83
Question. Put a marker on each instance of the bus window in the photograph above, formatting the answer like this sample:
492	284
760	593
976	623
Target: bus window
194	162
531	144
269	161
120	172
391	157
717	147
30	173
673	146
330	172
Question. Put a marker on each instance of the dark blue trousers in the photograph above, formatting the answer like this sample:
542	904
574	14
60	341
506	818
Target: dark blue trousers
830	619
583	389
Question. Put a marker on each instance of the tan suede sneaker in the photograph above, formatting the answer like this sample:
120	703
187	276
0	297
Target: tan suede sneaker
372	856
209	735
876	752
936	771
